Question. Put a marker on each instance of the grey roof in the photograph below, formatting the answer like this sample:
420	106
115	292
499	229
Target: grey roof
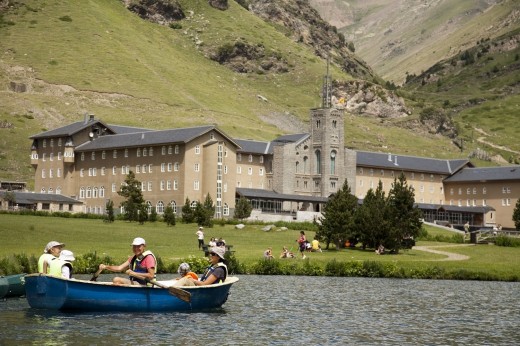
119	129
456	208
292	138
269	194
253	147
412	163
125	140
486	174
32	198
70	129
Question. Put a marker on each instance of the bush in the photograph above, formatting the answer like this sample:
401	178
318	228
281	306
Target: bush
503	240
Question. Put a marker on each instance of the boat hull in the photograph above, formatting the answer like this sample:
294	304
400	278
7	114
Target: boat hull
12	286
53	293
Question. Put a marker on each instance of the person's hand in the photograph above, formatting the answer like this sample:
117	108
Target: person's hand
129	272
102	266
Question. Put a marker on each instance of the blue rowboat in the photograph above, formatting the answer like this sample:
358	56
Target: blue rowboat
54	293
12	286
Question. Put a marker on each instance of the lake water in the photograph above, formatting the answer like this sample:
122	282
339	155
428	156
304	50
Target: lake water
294	310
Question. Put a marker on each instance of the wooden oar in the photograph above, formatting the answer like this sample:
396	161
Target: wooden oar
175	291
96	274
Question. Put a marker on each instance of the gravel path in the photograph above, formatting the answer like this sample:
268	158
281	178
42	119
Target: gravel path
450	255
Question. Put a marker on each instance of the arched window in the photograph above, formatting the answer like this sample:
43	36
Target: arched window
317	155
297	167
174	206
148	207
160	207
333	162
102	192
226	209
43	190
305	169
82	192
193	205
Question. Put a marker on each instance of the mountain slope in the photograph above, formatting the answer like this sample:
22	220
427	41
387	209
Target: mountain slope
409	36
62	59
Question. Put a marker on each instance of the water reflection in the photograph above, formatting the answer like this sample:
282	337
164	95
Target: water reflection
279	310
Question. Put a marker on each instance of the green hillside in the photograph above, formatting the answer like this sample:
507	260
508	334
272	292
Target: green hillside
63	59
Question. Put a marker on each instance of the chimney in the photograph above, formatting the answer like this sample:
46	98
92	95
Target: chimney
395	162
142	135
390	157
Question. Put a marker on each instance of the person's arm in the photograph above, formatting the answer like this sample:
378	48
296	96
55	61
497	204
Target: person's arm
209	281
111	268
45	266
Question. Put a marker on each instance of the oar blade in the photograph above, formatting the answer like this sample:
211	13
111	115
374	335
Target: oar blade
180	293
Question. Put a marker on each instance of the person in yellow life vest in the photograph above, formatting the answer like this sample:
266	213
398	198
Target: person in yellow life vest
316	247
141	267
62	266
52	251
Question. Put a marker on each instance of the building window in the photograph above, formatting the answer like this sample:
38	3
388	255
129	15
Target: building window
174	206
261	171
468	191
160	207
51	174
297	167
82	192
451	191
318	123
59	142
361	171
239	157
162	186
102	192
250	158
431	177
226	209
460	191
225	169
371	172
150	168
197	149
58	172
150	151
114	154
196	168
176	149
163	167
333	162
149	186
484	203
143	168
239	170
51	157
95	192
305	169
82	172
484	190
163	150
250	170
176	167
196	185
169	150
89	192
44	143
138	152
59	155
126	153
261	158
169	166
175	185
317	155
333	185
168	185
114	187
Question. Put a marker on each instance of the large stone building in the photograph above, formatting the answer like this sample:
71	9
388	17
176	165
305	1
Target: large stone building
293	175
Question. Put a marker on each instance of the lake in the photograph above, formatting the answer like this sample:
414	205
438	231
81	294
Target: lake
292	310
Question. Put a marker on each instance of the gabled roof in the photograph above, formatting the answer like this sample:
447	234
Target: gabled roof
32	198
411	163
125	140
253	147
71	129
486	174
119	129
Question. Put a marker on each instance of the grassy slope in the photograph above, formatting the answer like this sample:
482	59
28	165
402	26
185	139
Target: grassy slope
174	243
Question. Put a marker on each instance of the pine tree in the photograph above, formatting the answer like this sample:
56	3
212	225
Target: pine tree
109	207
337	220
169	216
134	203
243	208
371	222
516	215
403	215
188	215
